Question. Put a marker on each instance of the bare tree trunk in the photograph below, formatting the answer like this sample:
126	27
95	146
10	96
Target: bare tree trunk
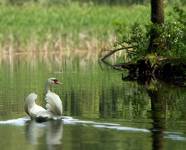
157	11
157	18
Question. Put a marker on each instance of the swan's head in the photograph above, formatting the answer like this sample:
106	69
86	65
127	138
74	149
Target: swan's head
53	81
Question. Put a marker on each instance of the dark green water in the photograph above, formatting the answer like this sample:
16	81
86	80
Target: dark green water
104	113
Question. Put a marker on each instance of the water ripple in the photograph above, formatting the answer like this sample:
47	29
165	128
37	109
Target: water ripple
15	122
113	126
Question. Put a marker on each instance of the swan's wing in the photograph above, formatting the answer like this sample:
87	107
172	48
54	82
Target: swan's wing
38	111
34	110
54	103
31	98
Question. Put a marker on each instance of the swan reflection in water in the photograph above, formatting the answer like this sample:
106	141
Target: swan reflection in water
50	132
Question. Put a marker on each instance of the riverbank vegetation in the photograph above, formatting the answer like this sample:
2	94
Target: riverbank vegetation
69	25
155	50
172	35
34	27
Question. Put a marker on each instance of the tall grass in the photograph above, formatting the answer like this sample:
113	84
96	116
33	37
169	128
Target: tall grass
37	27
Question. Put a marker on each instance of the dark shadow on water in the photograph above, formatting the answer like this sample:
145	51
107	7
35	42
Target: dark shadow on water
158	116
158	110
156	92
49	134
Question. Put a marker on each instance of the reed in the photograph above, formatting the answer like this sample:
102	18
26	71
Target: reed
37	27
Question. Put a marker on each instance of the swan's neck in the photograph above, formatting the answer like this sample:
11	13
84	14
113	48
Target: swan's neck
48	87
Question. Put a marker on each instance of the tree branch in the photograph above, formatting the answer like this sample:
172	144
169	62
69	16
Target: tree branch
111	52
114	51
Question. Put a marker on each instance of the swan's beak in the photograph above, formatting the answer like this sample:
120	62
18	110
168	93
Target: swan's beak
57	82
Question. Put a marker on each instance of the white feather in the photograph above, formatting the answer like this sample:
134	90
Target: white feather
34	110
53	107
54	103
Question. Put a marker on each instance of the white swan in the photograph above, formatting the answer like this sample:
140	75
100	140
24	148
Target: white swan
53	106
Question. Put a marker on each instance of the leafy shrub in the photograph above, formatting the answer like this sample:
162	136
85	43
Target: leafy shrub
171	40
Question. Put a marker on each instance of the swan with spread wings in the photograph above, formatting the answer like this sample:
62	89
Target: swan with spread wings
54	106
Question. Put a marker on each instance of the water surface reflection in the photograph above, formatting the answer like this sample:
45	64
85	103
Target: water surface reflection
160	101
158	115
107	113
51	132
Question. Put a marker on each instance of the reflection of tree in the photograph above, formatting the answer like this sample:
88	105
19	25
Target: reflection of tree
127	101
158	109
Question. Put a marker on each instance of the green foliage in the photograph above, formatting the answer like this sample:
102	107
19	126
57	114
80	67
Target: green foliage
33	26
135	35
172	36
171	40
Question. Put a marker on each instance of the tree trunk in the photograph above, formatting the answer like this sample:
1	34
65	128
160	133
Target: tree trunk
157	18
157	11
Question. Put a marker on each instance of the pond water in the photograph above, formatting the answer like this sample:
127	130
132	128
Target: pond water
101	111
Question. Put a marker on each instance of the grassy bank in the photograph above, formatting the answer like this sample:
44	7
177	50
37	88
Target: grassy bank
37	27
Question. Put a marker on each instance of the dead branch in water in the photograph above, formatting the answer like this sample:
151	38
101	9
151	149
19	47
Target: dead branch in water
167	69
111	52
